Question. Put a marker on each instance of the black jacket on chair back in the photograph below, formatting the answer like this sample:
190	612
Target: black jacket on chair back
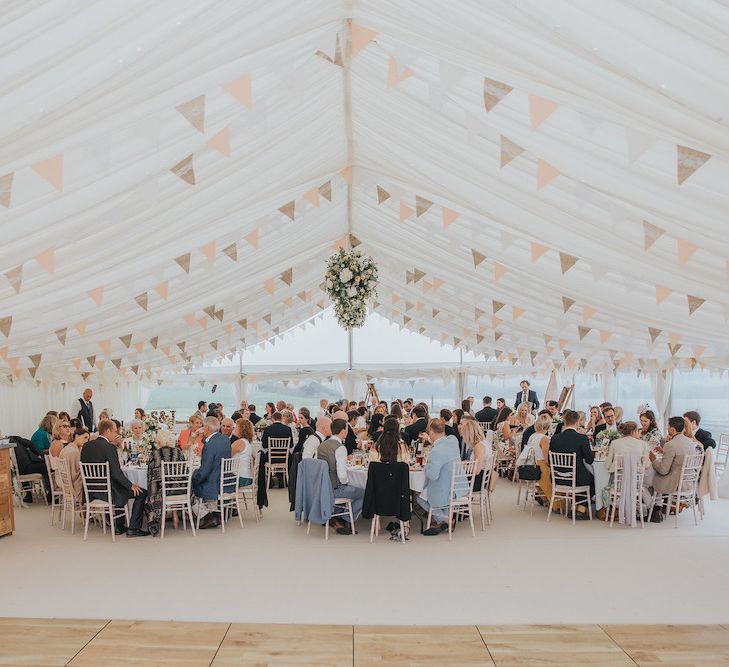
388	491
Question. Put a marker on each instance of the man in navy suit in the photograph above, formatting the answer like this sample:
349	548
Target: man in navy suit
526	395
206	479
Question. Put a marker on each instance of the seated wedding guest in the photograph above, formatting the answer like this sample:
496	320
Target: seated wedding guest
380	410
447	416
668	469
31	462
529	431
595	419
581	422
407	406
390	440
438	472
294	418
360	425
375	427
202	408
333	452
537	449
60	437
191	438
323	431
502	425
104	450
305	429
420	425
71	454
276	429
396	410
605	405
523	418
167	451
569	441
268	411
609	423
243	450
323	405
139	413
457	417
134	442
227	426
649	431
476	448
487	413
253	417
206	479
618	415
105	414
703	436
41	439
280	406
64	416
466	407
352	419
212	410
287	419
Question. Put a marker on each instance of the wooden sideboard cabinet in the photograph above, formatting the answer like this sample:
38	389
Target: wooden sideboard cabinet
7	520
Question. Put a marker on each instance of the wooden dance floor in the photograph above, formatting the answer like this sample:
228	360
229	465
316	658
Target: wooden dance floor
92	643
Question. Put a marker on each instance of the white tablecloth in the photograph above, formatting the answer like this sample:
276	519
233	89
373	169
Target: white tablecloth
602	479
136	475
358	477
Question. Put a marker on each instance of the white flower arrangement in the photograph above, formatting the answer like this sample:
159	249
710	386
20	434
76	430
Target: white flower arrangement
350	281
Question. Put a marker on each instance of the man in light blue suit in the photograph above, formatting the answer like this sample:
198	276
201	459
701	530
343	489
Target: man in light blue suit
206	479
438	473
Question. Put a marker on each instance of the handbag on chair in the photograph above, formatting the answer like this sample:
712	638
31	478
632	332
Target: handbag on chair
530	472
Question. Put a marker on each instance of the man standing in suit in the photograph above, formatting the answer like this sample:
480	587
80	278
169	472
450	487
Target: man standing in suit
103	450
486	414
704	437
569	441
85	412
202	408
526	395
206	479
420	425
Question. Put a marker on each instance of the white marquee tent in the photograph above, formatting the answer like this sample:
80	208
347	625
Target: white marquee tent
543	184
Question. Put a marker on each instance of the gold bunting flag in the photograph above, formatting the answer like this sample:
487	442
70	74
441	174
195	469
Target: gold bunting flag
493	92
183	261
509	151
194	112
61	335
91	360
421	205
583	331
689	160
382	195
477	258
566	261
567	303
654	333
231	251
651	234
184	169
325	190
694	303
289	210
6	186
5	325
287	276
142	300
126	340
15	278
153	342
35	359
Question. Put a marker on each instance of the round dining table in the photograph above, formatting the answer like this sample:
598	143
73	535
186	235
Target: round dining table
136	474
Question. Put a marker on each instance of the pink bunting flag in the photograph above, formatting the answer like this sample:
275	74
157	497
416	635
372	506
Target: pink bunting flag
450	216
221	142
139	346
395	75
540	109
6	188
361	37
105	346
686	250
605	336
209	250
662	293
45	259
312	196
189	319
203	322
163	289
546	173
346	174
499	271
96	295
516	313
51	170
80	327
252	237
405	212
269	285
538	250
588	312
240	89
688	161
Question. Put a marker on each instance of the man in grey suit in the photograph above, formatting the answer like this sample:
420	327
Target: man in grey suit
206	479
667	471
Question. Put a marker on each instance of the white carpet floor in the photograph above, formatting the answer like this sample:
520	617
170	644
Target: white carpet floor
520	570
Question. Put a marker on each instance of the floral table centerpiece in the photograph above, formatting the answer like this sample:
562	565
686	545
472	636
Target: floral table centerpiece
350	281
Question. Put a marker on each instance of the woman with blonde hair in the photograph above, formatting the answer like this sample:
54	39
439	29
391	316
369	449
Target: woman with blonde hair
523	417
191	438
243	450
537	447
476	449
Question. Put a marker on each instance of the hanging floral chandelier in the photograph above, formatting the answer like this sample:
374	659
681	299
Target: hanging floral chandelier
350	281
